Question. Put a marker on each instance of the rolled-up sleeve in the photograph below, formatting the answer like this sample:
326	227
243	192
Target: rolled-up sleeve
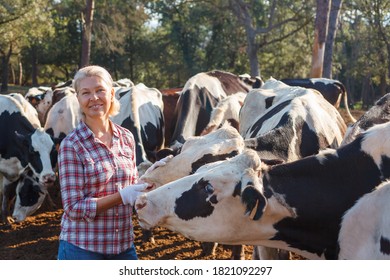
76	204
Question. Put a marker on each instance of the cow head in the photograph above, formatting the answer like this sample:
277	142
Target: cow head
29	196
40	155
196	152
226	111
215	204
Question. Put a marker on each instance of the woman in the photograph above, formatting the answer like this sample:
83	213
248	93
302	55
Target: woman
98	176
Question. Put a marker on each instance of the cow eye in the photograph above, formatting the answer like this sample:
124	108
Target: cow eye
209	188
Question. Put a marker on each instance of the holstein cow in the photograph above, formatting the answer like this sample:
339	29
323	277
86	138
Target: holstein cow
286	123
22	146
142	113
333	91
200	95
297	206
377	114
198	152
365	228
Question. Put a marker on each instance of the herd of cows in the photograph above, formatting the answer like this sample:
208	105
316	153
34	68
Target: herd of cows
270	164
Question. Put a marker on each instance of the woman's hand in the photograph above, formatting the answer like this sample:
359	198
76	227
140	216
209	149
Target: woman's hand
130	193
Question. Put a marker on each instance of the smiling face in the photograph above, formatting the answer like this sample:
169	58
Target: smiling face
95	97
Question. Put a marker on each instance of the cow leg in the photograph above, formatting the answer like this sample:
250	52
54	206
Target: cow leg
238	252
208	248
147	236
265	253
8	193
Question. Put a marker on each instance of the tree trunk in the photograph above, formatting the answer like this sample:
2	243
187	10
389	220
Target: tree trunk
382	84
5	69
34	66
335	8
240	9
252	49
20	73
320	33
87	21
367	94
13	75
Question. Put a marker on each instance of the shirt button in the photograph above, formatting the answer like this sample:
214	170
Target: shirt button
116	230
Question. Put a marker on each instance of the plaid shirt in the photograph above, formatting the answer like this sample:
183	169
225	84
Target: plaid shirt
88	170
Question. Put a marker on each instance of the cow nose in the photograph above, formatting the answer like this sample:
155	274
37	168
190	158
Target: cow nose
18	218
140	202
48	179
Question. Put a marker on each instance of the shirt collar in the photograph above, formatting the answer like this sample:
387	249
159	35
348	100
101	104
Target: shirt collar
86	132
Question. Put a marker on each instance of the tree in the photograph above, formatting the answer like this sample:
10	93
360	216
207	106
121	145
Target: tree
26	21
334	13
87	21
320	33
269	21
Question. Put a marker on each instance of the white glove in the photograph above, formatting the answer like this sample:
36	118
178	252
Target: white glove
130	193
158	163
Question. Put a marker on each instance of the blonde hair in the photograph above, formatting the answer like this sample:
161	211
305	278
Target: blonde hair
102	73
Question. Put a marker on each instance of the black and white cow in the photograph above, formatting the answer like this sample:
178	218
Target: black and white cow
377	114
297	206
200	95
23	146
142	113
333	91
285	123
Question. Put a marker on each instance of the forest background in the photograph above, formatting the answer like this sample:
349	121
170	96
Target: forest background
163	43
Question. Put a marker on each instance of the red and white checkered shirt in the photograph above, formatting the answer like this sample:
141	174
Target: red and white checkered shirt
87	170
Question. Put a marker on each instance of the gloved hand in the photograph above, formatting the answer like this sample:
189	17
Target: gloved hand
130	193
158	163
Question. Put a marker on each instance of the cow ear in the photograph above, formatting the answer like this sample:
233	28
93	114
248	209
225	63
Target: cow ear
251	195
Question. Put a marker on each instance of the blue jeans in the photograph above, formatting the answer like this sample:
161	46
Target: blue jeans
68	251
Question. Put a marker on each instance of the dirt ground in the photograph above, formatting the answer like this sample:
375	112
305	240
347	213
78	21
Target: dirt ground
37	238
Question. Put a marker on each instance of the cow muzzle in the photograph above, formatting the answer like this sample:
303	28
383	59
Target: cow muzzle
146	218
48	180
140	202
